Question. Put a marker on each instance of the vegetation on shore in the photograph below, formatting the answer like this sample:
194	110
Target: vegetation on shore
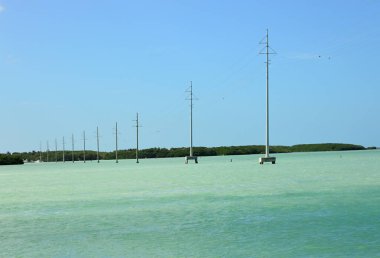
8	159
17	158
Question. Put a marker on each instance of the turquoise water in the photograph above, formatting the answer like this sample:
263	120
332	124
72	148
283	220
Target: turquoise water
309	204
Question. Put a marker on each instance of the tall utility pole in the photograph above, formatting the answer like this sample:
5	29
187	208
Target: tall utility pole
63	149
137	137
47	151
84	146
191	118
268	51
191	157
56	151
117	161
72	148
97	143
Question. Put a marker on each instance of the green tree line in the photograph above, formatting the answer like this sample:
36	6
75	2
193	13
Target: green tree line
9	159
52	156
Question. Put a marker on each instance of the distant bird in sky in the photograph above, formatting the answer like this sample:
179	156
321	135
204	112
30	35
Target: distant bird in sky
329	57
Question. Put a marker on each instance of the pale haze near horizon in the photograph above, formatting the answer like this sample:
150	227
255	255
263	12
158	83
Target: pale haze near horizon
70	66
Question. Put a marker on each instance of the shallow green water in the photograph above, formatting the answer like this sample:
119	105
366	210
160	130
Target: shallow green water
309	204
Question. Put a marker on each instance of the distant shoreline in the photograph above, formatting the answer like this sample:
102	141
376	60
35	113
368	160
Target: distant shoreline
52	156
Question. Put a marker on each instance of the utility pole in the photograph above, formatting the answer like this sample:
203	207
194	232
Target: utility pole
47	151
72	148
191	157
117	161
268	51
56	151
40	152
63	149
97	143
84	146
191	118
137	137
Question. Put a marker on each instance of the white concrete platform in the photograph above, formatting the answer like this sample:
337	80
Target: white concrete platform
262	160
187	158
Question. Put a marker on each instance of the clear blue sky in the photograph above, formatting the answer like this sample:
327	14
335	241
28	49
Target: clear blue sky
69	66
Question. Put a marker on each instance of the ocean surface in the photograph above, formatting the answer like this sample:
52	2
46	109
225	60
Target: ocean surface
324	204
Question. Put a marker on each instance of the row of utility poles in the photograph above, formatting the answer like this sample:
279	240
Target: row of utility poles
267	50
137	125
